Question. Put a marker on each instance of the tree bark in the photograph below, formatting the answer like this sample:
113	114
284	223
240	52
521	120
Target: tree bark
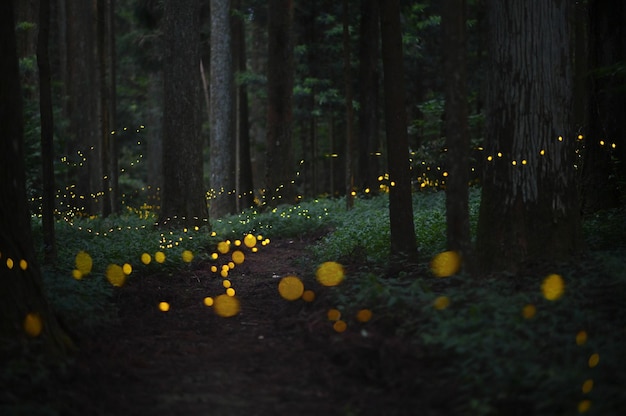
183	198
222	127
529	208
21	295
245	185
456	127
280	172
347	71
369	54
400	199
47	134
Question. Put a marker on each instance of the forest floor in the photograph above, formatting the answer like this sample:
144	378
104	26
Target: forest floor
276	357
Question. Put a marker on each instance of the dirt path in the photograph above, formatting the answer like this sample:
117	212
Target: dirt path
274	358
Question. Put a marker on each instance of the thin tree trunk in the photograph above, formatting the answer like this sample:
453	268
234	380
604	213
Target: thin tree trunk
280	172
456	127
400	199
350	144
47	134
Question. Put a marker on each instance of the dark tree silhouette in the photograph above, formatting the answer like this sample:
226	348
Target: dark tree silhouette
400	199
529	208
24	311
184	199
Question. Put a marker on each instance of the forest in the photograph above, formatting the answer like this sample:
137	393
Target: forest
305	207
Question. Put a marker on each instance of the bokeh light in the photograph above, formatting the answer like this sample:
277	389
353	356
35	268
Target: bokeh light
587	386
529	311
581	338
290	287
127	269
115	275
594	360
159	257
441	302
238	257
23	264
187	256
249	240
208	301
364	315
84	263
446	264
223	247
584	406
226	306
76	274
330	273
33	324
308	296
333	314
146	258
226	283
230	292
164	306
340	326
553	287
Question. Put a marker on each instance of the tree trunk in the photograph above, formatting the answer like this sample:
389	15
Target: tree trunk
183	198
347	70
245	186
24	311
400	199
47	134
529	208
223	157
456	127
280	172
84	150
368	149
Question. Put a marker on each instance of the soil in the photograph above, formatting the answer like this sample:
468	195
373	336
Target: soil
275	357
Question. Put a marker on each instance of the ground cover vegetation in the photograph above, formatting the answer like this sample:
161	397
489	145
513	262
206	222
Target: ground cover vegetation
496	342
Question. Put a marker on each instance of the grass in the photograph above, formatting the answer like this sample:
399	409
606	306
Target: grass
473	331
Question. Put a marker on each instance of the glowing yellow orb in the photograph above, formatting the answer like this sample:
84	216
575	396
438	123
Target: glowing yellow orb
553	287
340	326
584	406
446	264
226	284
308	296
145	258
76	274
223	247
224	273
330	273
290	287
164	306
214	256
249	240
230	291
364	315
238	257
442	302
214	269
587	386
32	324
115	275
83	262
226	306
594	359
10	263
23	264
187	256
159	257
127	269
581	337
208	301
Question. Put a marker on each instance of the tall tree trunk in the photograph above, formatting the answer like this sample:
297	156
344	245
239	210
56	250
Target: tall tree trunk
183	198
456	127
24	311
245	186
84	150
47	134
369	54
280	170
347	70
400	199
529	206
223	157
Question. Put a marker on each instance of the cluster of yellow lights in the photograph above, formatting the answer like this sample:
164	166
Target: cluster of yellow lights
552	287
